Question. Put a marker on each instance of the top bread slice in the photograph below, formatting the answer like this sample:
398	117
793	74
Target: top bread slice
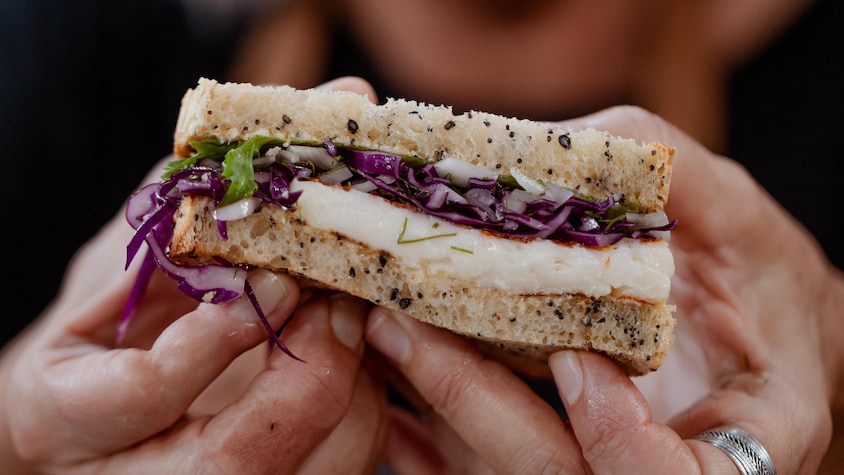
237	111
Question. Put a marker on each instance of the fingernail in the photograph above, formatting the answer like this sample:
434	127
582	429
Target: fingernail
568	374
388	336
270	290
347	315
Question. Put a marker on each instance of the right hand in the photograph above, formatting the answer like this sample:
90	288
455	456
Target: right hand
758	319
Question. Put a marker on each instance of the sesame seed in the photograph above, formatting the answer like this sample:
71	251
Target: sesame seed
565	141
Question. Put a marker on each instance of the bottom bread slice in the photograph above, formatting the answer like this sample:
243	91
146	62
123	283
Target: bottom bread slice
519	330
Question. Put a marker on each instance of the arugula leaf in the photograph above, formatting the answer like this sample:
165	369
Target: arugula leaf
211	148
617	212
509	182
208	148
415	162
237	167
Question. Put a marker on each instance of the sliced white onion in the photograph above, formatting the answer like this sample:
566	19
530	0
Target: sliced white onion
438	197
262	176
459	172
263	161
530	185
517	200
302	153
365	186
664	235
336	176
237	210
588	223
557	194
483	199
650	220
454	196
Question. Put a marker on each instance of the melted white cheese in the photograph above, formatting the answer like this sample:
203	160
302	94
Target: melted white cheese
630	268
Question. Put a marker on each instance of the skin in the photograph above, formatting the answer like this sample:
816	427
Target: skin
192	389
758	311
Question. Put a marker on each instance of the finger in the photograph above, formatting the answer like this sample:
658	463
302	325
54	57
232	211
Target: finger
633	122
96	286
100	262
293	406
412	448
613	424
693	162
701	182
417	432
422	442
83	394
357	444
476	397
755	401
352	84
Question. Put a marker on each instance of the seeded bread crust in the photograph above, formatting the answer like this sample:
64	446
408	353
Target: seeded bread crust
237	111
520	330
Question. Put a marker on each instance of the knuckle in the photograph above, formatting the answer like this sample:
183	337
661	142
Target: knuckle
540	461
330	399
451	391
608	441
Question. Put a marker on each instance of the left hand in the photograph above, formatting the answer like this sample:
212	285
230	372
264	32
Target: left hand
164	401
192	388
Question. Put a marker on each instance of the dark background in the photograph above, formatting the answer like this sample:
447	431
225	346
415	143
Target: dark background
89	93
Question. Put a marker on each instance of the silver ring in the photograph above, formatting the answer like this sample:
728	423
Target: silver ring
745	451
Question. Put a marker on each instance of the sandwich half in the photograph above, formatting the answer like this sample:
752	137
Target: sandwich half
525	236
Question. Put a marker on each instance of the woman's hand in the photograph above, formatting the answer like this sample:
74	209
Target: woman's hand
73	402
757	311
192	388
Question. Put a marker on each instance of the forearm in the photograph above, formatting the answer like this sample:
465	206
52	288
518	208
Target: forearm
832	326
832	321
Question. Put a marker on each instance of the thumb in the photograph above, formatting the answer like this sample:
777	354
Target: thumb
613	425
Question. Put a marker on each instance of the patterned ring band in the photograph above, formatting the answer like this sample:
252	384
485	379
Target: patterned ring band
745	451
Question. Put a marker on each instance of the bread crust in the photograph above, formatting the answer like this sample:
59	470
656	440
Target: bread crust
520	330
237	111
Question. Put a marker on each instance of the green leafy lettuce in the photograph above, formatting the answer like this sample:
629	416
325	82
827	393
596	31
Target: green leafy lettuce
236	159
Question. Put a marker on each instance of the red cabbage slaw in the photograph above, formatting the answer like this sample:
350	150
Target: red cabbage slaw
243	175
